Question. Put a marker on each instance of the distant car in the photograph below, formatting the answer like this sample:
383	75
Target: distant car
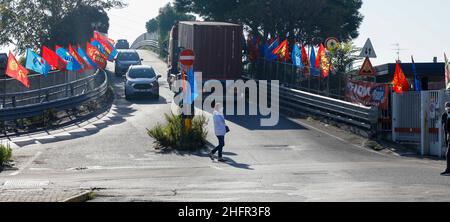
125	59
3	63
122	44
141	80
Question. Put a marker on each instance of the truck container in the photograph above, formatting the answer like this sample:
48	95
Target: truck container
217	47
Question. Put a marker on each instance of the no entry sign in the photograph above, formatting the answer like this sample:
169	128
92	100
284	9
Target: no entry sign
187	57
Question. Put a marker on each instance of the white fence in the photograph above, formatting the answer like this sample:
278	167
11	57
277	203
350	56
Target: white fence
416	118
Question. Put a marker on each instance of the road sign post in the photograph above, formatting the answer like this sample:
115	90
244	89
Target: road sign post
187	58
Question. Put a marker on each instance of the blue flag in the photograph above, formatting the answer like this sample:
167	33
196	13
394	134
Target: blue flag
72	63
86	58
269	52
297	56
99	46
312	58
417	85
36	63
263	49
113	54
191	95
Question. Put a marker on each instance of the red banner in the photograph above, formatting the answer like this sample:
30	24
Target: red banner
367	93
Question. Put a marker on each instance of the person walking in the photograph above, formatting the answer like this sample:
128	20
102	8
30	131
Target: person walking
446	124
220	129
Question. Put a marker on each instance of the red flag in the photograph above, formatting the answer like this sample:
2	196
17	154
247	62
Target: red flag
102	38
53	59
322	62
282	51
96	56
400	82
305	61
79	59
17	71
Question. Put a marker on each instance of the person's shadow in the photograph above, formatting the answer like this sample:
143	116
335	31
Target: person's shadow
235	164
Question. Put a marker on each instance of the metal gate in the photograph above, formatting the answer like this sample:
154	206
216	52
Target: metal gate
406	127
417	120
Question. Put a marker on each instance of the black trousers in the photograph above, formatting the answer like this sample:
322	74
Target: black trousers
448	158
220	147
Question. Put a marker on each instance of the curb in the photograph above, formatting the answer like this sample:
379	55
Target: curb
80	198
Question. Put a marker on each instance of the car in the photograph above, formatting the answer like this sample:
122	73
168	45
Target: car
141	80
125	59
122	44
3	63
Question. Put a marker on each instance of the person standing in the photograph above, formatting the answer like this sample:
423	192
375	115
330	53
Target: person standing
446	124
220	129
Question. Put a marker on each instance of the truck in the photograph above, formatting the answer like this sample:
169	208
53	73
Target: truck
217	47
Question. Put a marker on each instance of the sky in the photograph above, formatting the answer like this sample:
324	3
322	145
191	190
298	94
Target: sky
421	28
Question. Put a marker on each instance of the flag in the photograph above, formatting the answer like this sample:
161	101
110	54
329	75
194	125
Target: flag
297	56
100	47
72	63
322	61
305	60
282	51
86	58
417	86
253	47
191	96
107	44
53	59
400	83
16	71
269	52
447	73
263	49
37	63
84	65
96	56
314	70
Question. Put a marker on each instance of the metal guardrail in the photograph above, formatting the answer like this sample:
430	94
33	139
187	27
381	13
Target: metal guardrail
360	116
58	97
296	101
151	43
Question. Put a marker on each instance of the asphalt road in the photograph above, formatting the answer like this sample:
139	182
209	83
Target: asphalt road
288	162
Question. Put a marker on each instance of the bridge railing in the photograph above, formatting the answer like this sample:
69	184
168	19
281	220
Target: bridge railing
68	90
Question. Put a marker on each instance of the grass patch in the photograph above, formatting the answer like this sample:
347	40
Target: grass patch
172	134
5	153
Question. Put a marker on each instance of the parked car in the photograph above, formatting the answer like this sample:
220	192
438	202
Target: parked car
3	63
125	59
141	80
122	44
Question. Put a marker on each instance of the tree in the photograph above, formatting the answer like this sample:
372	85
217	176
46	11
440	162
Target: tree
164	22
344	57
152	25
77	26
308	20
25	23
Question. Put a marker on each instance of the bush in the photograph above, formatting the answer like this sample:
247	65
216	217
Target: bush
174	136
5	153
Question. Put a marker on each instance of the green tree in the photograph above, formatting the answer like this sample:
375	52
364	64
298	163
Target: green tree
77	26
308	20
344	57
164	22
25	23
152	25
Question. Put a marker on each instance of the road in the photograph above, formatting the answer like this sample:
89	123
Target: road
289	162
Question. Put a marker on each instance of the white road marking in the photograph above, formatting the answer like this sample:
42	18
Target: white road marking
27	164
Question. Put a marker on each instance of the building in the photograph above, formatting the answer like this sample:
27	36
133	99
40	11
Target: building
430	74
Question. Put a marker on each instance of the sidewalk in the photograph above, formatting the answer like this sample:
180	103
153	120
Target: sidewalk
44	195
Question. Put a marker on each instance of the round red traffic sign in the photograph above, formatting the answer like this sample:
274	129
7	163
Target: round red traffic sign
187	57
